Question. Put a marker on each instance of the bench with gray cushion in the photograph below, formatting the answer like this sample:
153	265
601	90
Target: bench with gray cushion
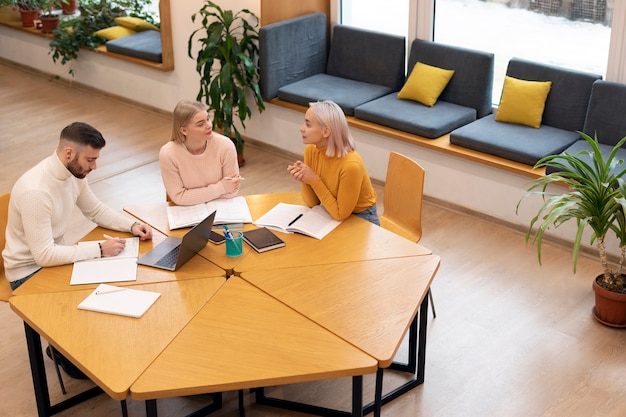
143	45
361	66
563	115
466	97
605	119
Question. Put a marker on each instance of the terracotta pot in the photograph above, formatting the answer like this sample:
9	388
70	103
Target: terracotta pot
69	7
28	17
610	308
49	23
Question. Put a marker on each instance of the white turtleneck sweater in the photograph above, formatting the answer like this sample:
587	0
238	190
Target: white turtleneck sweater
40	209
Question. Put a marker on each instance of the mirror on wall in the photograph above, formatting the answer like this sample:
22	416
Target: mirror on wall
167	51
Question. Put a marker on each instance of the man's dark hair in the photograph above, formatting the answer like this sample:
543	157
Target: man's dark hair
83	134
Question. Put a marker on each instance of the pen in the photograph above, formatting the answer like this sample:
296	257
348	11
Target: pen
109	291
294	220
232	178
107	236
227	232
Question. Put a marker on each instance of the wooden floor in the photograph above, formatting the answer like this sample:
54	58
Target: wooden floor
511	338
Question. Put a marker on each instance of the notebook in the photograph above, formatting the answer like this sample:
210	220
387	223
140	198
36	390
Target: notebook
174	252
262	239
122	301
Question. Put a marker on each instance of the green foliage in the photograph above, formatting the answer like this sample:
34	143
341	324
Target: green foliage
76	33
596	198
227	64
25	4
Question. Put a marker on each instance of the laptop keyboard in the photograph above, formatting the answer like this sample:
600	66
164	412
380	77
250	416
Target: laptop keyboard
169	259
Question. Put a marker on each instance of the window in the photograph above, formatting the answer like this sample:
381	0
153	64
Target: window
571	34
393	17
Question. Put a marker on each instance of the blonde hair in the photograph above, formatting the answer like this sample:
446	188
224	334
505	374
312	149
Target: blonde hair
183	112
330	115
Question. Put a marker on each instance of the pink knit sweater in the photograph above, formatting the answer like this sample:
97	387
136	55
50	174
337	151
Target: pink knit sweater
194	179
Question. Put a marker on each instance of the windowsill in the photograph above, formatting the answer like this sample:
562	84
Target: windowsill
101	49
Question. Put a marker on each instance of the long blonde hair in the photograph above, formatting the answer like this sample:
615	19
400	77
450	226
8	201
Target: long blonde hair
183	112
330	115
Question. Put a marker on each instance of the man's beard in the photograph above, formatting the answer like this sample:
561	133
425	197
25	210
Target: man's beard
74	167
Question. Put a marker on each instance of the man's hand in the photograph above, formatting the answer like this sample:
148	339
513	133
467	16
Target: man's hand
142	230
112	247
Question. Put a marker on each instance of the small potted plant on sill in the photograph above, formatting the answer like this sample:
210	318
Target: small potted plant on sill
596	198
227	63
49	16
29	9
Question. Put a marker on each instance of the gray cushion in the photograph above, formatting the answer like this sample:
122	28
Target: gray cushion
348	94
566	106
512	141
413	117
606	116
472	82
291	50
582	145
367	56
143	45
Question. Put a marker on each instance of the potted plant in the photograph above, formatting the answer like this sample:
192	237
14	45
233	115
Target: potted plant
29	9
227	62
596	198
49	19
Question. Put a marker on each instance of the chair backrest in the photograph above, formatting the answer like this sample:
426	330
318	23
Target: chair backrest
472	82
567	102
367	56
605	113
5	287
402	199
291	50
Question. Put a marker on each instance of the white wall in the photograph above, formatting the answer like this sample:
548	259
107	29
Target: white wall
475	186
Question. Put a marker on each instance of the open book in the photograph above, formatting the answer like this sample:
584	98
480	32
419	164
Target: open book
229	210
294	218
122	267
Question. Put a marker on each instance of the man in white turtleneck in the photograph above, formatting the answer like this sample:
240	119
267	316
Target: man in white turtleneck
42	202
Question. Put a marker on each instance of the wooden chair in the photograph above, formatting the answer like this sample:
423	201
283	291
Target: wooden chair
402	199
5	288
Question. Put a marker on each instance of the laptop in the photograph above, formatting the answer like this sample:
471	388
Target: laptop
174	251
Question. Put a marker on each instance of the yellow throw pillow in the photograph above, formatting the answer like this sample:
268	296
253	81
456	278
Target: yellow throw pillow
522	101
135	23
114	32
425	84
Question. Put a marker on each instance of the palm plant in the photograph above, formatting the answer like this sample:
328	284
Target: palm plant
596	198
229	40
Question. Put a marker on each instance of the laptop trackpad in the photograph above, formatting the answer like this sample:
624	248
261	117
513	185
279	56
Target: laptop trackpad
160	250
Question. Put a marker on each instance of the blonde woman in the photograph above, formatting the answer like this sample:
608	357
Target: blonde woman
197	164
333	173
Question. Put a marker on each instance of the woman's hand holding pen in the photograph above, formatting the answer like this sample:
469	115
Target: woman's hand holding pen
302	172
232	183
112	246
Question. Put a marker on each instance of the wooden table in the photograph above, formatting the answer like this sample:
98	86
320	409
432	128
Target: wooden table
261	327
244	338
370	304
112	350
355	240
57	279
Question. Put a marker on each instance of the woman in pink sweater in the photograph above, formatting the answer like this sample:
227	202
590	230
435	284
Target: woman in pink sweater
197	164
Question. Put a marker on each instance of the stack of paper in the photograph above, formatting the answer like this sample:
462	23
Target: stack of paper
122	267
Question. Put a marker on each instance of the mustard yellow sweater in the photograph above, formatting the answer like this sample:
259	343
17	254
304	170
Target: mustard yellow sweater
344	186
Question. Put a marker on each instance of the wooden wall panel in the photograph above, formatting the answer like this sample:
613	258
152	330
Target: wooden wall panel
277	10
